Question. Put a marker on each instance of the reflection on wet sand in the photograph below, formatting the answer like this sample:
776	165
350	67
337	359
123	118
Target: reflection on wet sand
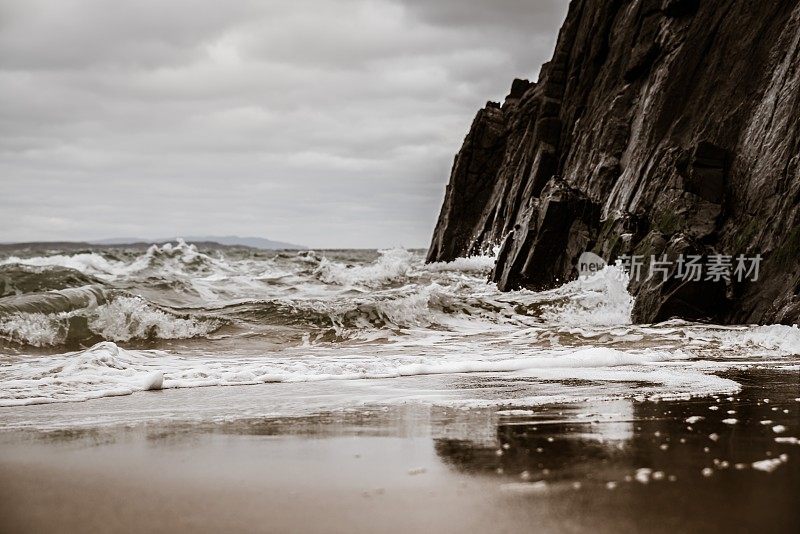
546	445
695	465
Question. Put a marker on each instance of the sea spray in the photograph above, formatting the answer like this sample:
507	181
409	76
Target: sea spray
176	316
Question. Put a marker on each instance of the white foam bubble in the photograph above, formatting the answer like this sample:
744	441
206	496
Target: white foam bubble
769	465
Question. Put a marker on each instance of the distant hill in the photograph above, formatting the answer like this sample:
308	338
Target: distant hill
254	242
229	240
122	241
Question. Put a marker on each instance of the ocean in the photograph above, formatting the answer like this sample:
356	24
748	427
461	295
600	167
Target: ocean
79	325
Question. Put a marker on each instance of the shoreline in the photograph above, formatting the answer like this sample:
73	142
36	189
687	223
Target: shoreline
413	465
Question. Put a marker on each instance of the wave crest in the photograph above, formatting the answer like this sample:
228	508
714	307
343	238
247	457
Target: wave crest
120	318
600	299
392	265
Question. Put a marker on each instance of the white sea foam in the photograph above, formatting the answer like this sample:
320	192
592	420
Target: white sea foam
392	264
174	258
35	329
120	319
472	264
775	338
87	263
768	465
393	317
106	370
600	299
126	318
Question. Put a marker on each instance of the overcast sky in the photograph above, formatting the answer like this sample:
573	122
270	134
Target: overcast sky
329	123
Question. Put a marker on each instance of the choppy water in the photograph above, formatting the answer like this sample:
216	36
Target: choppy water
75	326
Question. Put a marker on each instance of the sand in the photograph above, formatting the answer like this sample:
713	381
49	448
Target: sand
620	466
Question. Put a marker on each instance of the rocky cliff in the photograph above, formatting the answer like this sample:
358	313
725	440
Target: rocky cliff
659	127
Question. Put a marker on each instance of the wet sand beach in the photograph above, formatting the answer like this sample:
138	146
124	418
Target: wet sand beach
615	466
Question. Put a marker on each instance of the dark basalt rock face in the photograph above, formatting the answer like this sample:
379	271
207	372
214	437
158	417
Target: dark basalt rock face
661	127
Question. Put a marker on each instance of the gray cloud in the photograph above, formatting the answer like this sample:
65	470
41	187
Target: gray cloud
326	122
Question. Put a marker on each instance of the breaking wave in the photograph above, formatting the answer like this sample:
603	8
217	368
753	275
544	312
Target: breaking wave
51	322
393	265
250	317
181	258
